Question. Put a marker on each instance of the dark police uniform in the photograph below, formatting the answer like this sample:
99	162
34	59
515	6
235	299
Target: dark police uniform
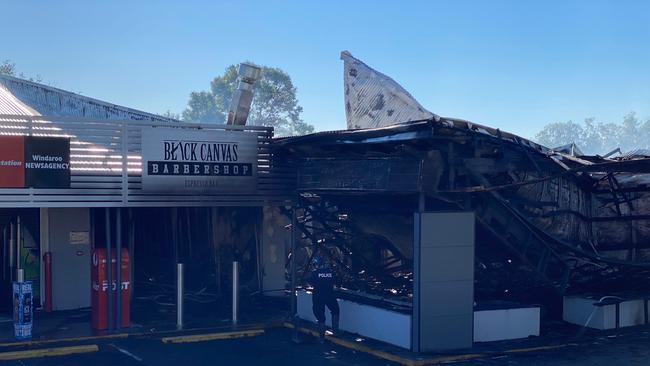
323	282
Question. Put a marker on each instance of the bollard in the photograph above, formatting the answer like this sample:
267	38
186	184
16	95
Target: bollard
235	291
20	275
179	295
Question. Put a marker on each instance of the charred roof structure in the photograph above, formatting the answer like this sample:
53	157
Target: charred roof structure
549	219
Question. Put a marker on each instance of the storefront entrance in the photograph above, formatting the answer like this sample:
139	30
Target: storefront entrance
19	249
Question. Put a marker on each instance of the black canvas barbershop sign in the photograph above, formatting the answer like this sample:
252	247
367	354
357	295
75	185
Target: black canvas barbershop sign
203	161
36	162
192	158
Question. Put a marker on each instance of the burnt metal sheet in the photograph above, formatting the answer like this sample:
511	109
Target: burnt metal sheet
373	99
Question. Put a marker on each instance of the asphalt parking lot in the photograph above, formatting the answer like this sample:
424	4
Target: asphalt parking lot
276	348
273	348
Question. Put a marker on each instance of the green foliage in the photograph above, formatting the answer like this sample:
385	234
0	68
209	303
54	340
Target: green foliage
597	137
9	68
172	115
274	102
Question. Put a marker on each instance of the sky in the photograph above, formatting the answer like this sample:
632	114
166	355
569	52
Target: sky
515	65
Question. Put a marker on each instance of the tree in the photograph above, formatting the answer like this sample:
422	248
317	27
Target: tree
560	133
598	137
274	102
9	68
172	115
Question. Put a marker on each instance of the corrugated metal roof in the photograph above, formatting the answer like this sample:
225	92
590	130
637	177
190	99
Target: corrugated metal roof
373	99
9	104
635	154
23	97
570	149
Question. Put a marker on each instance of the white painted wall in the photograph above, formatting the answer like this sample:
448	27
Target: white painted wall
631	313
368	321
576	310
502	324
395	328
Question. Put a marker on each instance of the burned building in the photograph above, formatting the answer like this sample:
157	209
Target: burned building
548	220
519	222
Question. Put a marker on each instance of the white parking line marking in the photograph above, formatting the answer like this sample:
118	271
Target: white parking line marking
123	351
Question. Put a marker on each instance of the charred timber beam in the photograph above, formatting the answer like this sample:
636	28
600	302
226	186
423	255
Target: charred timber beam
312	239
495	212
521	201
622	166
617	187
560	213
627	166
640	189
451	169
627	246
530	157
614	195
620	218
487	165
591	219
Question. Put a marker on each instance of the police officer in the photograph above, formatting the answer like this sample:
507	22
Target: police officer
322	278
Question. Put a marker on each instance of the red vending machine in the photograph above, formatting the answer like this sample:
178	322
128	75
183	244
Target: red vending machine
100	288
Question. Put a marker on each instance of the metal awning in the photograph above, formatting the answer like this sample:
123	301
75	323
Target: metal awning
106	166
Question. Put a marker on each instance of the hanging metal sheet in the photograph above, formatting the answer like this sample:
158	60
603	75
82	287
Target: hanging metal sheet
373	99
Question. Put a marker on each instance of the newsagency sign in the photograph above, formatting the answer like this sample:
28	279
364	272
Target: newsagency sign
34	162
176	160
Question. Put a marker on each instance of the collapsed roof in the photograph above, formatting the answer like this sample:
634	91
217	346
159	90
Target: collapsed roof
578	222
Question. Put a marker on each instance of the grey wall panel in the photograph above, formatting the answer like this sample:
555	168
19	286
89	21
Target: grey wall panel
448	263
443	288
448	332
447	298
447	229
70	262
